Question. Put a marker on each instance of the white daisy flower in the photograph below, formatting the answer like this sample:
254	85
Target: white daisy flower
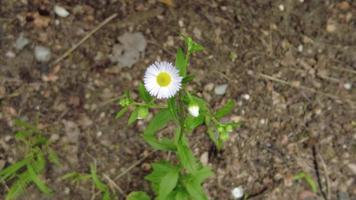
162	80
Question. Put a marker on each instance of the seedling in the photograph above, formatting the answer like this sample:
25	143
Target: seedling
30	169
76	178
307	178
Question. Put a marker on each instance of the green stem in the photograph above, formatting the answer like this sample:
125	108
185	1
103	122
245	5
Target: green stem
148	105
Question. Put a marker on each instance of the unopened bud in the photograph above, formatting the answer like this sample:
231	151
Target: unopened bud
193	110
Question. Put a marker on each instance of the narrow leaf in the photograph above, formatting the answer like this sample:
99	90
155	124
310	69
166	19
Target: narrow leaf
202	174
121	112
172	107
186	156
38	182
225	110
12	169
53	157
19	186
144	93
181	62
97	182
133	117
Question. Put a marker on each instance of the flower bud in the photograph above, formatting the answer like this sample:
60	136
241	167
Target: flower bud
193	110
124	102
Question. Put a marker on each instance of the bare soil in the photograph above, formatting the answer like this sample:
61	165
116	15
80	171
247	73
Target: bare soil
293	79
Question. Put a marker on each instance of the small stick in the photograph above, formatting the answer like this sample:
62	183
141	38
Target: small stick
112	182
327	179
132	166
317	172
69	51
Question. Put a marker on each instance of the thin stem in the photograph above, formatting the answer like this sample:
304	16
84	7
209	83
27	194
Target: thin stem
148	105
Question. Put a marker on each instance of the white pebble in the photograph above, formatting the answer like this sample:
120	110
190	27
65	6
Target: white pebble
60	11
42	54
246	96
10	54
263	121
348	86
281	7
300	48
237	192
99	134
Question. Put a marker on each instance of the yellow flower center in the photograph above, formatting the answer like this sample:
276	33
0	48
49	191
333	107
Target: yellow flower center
164	79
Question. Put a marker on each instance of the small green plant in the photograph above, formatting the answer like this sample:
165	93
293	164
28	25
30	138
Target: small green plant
76	177
29	170
307	178
180	180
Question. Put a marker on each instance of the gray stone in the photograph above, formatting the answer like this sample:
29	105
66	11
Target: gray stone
220	89
42	54
131	48
21	42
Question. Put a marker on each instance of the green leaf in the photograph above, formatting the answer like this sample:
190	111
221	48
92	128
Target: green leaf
182	195
75	177
160	169
167	184
193	46
191	122
38	182
172	107
188	79
97	182
225	110
195	190
121	112
19	186
22	135
39	162
11	170
138	196
53	157
202	174
309	179
144	94
159	121
181	62
133	117
186	156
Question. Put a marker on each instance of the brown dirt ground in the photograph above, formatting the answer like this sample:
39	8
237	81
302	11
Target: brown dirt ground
311	45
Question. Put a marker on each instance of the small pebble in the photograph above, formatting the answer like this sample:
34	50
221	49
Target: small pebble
42	54
237	192
99	134
246	96
60	11
300	48
21	42
348	86
281	7
209	87
10	54
220	89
